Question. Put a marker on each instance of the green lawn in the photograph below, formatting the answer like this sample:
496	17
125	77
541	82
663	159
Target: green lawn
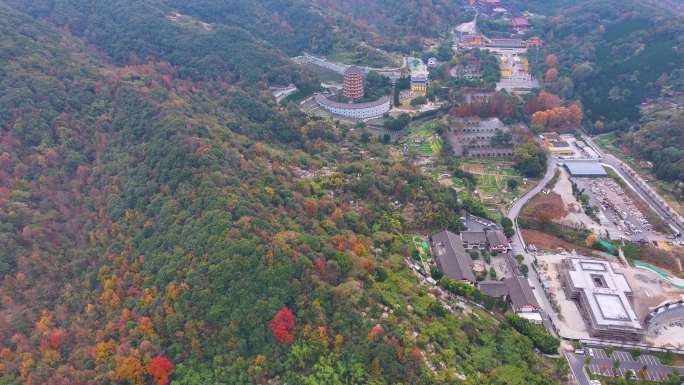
429	144
424	251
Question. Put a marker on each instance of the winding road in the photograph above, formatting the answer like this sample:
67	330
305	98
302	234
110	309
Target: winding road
518	243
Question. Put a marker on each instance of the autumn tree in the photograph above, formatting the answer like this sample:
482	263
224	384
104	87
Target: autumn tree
560	118
129	369
551	75
544	101
159	369
551	60
283	326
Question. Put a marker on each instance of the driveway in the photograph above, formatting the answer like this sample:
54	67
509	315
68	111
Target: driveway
576	363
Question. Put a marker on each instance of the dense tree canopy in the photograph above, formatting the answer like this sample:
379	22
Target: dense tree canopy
165	221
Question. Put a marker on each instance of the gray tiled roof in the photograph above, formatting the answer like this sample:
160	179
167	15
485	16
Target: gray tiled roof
452	257
495	289
354	70
473	236
520	292
496	237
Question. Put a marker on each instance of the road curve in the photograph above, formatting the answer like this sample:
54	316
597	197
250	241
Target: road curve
518	243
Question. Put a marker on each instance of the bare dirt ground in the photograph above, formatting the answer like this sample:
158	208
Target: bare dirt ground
544	241
574	218
671	260
473	168
545	206
572	324
649	290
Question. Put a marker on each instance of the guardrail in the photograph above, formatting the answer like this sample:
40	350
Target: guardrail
626	345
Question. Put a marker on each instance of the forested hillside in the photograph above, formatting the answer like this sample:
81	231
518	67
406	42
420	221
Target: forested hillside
613	55
622	60
130	31
162	221
399	25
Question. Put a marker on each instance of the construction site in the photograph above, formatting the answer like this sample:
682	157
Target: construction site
605	298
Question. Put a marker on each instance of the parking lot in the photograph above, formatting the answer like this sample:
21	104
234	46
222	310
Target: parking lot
645	365
619	215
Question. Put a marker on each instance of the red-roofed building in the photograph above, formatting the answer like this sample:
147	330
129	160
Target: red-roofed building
474	41
534	41
520	24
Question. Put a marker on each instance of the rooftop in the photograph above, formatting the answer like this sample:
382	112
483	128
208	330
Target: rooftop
506	42
354	70
585	168
605	292
496	237
452	257
520	293
496	289
473	236
322	99
520	22
560	144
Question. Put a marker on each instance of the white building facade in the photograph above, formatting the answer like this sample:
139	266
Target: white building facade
368	110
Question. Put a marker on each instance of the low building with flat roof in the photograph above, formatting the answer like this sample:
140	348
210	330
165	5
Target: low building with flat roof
368	110
603	296
585	168
506	43
452	257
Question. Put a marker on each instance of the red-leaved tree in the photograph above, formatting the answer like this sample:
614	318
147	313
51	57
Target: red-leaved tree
283	326
159	369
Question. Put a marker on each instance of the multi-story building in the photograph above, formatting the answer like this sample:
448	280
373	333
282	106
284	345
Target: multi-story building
487	239
603	297
419	76
474	138
353	83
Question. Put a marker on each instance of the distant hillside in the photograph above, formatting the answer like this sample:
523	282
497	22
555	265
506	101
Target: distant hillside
397	25
130	31
613	55
676	6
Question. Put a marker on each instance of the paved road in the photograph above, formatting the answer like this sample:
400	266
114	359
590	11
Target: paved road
515	209
576	363
616	165
518	244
